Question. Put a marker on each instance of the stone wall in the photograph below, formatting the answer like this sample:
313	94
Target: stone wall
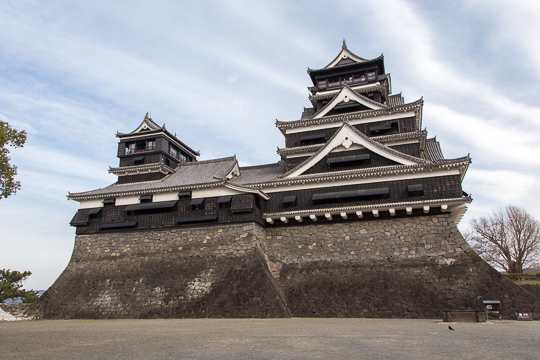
197	272
413	267
409	268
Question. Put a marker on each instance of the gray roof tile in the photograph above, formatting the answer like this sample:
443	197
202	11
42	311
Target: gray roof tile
186	175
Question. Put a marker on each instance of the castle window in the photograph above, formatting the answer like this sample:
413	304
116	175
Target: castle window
372	76
333	81
151	145
130	148
415	190
359	78
184	195
289	201
224	201
145	199
322	84
319	138
173	151
351	195
150	207
141	146
139	160
82	216
197	204
383	129
350	160
182	158
109	202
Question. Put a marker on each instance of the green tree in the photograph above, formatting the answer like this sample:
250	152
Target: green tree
13	138
11	287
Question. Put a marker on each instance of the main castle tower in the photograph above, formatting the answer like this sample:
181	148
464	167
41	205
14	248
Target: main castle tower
357	219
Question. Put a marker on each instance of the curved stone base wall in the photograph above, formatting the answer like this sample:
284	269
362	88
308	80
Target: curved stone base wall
413	267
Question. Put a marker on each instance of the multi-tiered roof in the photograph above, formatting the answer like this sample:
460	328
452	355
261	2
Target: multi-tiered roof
359	152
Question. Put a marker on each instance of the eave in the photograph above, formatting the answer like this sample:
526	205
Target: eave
141	169
378	172
313	73
338	120
82	196
456	206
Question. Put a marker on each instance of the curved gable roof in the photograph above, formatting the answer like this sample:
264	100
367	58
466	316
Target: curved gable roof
346	136
346	94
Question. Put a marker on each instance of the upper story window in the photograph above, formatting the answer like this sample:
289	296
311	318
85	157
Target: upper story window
140	146
130	148
349	79
182	158
173	151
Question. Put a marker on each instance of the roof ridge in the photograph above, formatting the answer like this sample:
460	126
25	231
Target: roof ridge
260	166
200	162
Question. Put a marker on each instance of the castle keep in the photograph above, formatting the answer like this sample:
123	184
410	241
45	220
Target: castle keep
357	219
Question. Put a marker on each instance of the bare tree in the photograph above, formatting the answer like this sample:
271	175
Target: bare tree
508	238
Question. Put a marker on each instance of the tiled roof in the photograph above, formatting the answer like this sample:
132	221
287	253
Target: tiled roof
433	150
259	174
350	116
395	100
187	175
366	99
307	113
366	138
381	57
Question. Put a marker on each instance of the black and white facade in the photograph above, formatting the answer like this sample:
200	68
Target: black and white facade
358	153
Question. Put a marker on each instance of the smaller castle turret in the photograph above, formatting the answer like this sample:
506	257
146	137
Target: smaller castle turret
150	152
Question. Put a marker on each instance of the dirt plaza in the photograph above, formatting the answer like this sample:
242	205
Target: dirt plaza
296	338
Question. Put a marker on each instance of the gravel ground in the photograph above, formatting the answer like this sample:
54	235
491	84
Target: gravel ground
268	339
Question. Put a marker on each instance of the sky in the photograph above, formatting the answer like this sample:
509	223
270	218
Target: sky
219	74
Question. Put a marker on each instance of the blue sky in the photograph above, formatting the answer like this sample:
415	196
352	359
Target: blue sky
218	74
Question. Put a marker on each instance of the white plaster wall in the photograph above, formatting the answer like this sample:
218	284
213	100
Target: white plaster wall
88	204
127	200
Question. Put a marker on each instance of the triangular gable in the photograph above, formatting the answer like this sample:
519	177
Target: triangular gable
346	137
345	95
345	54
147	124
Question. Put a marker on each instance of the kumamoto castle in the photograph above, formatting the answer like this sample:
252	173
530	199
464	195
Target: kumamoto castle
357	219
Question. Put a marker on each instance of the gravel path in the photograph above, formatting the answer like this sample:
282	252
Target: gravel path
268	339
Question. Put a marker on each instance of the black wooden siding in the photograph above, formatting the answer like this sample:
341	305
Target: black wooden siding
375	161
166	218
434	188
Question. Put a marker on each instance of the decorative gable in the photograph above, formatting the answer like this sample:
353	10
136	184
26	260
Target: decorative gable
346	95
147	125
349	138
345	57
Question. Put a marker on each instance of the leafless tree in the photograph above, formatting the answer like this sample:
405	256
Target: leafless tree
508	238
